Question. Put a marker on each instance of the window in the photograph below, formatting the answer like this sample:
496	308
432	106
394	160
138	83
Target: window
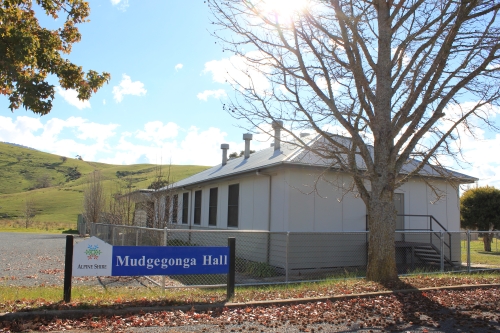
212	207
185	207
232	205
175	207
197	207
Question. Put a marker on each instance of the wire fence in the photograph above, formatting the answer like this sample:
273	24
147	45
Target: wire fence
264	257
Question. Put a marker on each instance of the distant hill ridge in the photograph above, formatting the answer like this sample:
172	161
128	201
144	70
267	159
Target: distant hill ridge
18	145
56	183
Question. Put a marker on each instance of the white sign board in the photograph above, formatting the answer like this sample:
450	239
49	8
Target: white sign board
92	257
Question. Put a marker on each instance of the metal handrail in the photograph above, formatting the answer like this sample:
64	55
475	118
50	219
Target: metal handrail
431	229
443	229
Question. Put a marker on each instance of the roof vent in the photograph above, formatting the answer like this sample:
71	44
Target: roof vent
247	137
224	148
277	125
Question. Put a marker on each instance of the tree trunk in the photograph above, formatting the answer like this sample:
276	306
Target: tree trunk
487	240
381	247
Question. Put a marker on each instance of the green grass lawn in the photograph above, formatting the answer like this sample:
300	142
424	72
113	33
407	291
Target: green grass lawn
479	256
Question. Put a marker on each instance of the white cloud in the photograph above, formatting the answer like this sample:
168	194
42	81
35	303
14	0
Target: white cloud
156	132
476	151
178	66
189	146
120	4
71	96
158	142
103	102
237	70
86	138
127	87
211	93
323	84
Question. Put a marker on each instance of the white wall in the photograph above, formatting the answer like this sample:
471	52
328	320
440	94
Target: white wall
279	202
420	199
303	199
253	203
322	202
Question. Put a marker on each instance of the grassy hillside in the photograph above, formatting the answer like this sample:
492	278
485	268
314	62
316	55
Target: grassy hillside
55	184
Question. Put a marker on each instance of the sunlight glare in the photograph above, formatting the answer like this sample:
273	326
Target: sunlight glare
284	10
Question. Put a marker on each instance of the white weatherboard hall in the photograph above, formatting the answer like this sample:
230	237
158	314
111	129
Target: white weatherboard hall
287	188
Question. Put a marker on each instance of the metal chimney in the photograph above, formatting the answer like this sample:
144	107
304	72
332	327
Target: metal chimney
247	137
277	125
224	148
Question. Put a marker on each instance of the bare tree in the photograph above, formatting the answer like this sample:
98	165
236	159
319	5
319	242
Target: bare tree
159	212
29	212
391	76
93	197
43	181
121	205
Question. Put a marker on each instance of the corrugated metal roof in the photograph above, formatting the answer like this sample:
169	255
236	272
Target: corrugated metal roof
294	155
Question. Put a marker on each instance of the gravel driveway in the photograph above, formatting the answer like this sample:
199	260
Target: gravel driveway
32	259
38	259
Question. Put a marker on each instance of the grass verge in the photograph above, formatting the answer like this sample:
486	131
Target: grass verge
479	256
38	227
50	297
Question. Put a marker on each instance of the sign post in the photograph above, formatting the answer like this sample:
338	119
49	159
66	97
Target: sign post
68	268
231	243
94	257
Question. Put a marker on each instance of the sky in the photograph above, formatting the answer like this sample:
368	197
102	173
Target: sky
163	103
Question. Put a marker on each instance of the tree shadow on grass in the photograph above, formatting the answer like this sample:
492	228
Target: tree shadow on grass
441	310
492	253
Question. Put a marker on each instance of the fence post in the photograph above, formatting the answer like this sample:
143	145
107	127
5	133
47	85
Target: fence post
441	249
286	255
231	273
468	251
165	242
111	234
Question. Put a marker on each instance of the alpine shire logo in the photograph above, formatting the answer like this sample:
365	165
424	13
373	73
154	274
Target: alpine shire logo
93	252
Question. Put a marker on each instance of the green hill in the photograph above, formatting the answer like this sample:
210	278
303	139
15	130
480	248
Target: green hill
55	184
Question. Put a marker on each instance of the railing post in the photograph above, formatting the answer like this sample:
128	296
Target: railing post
430	228
450	247
286	255
441	249
468	251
